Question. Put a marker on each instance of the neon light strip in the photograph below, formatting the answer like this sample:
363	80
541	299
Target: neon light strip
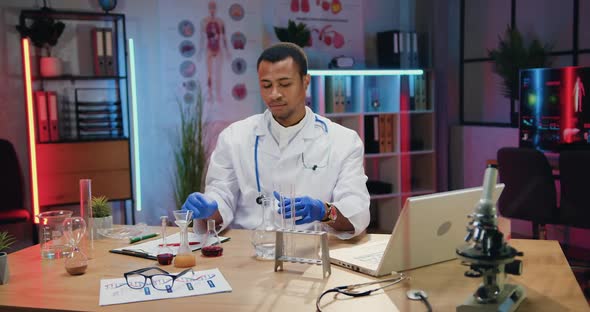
367	72
137	167
31	124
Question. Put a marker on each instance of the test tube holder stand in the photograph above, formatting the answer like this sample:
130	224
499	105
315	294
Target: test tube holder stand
281	257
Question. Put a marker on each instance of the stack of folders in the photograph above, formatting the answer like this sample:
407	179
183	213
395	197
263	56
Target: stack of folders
338	94
379	132
104	52
397	49
99	119
46	114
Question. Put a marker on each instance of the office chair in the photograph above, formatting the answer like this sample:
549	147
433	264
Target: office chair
12	208
530	192
574	171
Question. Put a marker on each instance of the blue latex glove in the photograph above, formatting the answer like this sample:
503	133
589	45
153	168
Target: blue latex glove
306	207
201	206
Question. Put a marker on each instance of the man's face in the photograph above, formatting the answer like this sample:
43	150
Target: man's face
283	90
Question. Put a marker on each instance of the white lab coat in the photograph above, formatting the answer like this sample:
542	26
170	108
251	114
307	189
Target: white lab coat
338	178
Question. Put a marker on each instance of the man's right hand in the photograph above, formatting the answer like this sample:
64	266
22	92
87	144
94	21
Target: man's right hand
201	206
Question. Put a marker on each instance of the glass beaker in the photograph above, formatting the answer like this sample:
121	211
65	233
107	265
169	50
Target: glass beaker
74	230
212	243
184	257
264	237
51	234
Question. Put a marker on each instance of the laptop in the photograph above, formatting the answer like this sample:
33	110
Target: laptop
428	230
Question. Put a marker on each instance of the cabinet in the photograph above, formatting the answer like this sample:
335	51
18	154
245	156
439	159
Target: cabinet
79	119
393	113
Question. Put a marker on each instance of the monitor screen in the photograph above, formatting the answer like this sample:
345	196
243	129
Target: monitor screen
554	108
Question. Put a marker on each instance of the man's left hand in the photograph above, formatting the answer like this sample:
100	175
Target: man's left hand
307	208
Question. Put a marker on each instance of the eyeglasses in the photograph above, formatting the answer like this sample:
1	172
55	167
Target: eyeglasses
160	281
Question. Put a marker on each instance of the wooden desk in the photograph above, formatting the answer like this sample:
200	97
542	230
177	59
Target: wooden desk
44	285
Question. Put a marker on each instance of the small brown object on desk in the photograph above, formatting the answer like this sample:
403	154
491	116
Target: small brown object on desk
44	285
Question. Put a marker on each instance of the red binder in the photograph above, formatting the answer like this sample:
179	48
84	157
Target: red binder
53	120
98	50
42	120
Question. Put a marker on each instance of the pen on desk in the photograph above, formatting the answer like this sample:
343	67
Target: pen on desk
178	244
135	252
139	238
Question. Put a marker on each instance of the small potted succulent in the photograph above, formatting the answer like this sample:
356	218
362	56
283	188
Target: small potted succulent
102	217
44	31
6	240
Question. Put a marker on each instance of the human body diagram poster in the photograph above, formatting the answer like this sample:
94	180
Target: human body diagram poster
336	28
116	291
213	45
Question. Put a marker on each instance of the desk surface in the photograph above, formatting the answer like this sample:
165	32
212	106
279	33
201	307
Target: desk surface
45	285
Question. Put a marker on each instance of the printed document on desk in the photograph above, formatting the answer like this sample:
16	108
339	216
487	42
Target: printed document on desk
116	291
149	249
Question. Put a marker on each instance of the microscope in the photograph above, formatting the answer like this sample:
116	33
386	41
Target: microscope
490	257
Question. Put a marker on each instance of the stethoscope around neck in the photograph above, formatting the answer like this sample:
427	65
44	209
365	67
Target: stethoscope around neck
260	195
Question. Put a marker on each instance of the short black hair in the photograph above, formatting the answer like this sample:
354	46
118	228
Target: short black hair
282	51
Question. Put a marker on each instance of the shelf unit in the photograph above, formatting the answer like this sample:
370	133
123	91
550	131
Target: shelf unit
393	113
104	156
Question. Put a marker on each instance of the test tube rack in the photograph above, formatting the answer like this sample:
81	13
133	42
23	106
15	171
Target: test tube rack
281	257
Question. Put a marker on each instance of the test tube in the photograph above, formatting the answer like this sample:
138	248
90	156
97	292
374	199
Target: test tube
86	213
292	219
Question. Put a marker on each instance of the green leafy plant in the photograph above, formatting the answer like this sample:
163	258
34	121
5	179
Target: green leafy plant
297	33
512	55
6	240
189	152
100	207
44	30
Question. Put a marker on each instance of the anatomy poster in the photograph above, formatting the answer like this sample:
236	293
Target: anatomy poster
213	45
336	28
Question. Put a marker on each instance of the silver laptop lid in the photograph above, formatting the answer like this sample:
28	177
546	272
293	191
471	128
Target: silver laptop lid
430	228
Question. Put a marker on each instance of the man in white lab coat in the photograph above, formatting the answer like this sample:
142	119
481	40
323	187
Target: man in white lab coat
287	148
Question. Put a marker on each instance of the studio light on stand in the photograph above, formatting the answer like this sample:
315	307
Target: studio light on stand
490	257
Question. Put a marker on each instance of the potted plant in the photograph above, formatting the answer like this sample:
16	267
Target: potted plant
512	55
102	215
6	240
189	152
44	32
297	33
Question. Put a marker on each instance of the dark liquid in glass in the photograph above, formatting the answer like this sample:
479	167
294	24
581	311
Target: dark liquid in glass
212	251
165	259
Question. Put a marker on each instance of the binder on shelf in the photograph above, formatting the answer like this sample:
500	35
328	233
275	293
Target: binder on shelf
98	51
339	99
371	134
53	117
109	53
42	120
348	94
415	59
389	134
412	92
388	49
383	128
308	96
